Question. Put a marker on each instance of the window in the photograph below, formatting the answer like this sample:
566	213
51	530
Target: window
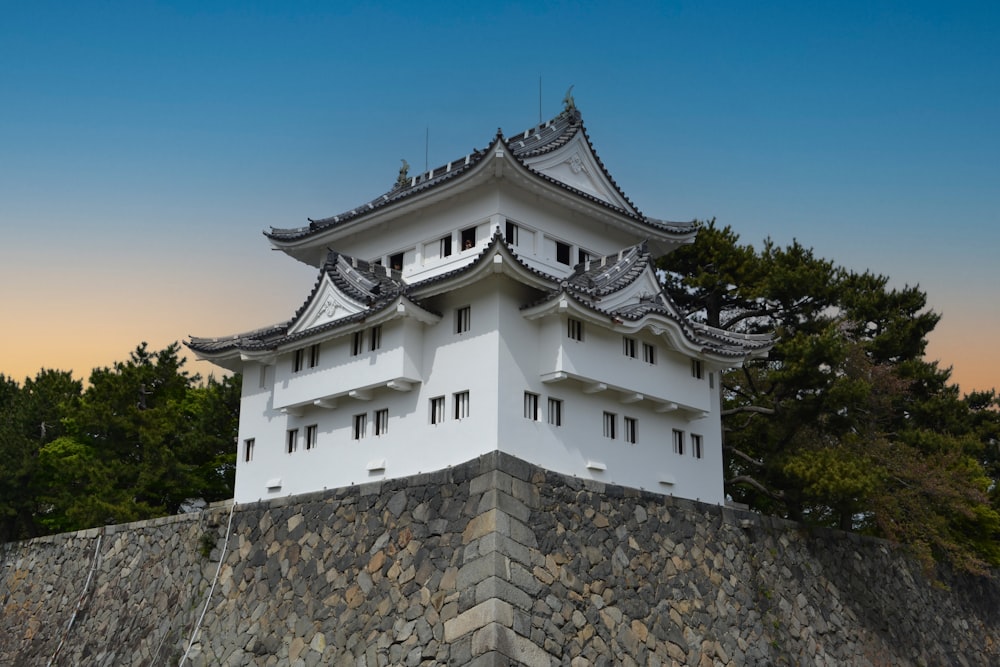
437	410
696	450
360	426
375	338
248	449
511	236
396	262
531	406
292	440
631	430
298	360
445	246
649	353
610	425
574	329
562	252
461	405
582	256
678	442
697	371
463	319
357	343
314	355
628	346
382	421
468	238
311	433
555	412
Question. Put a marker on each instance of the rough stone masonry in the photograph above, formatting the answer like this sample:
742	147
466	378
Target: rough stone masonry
493	562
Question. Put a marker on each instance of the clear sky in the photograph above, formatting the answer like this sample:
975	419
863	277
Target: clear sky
144	146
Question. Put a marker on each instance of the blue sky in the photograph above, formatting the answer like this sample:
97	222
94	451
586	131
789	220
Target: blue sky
145	145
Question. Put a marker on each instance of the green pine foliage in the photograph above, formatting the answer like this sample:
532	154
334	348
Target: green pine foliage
141	439
845	424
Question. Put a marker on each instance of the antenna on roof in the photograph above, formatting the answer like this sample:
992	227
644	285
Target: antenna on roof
427	144
539	99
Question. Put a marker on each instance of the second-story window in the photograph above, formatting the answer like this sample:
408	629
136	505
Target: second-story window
292	440
360	425
511	233
357	343
631	428
298	360
311	433
461	405
574	329
382	421
531	406
562	252
437	409
679	442
649	353
314	355
468	238
375	338
445	246
555	412
248	446
628	347
697	370
463	319
610	425
696	446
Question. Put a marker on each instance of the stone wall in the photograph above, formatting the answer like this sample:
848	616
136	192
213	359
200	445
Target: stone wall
494	562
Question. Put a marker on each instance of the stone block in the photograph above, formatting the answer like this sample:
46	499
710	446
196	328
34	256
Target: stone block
503	640
497	587
489	611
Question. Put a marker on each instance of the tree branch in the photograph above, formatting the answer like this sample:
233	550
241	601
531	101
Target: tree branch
750	481
743	455
759	409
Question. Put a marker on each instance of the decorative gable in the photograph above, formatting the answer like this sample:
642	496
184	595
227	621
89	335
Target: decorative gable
575	165
327	304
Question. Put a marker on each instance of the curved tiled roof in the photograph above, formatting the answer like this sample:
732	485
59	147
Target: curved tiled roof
539	140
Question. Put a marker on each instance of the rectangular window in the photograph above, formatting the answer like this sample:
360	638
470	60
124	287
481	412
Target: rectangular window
298	358
468	238
360	426
248	445
375	338
357	343
555	412
463	319
311	433
631	427
562	252
696	450
582	256
697	371
679	442
437	409
531	406
628	347
610	425
574	329
445	246
461	405
396	262
314	355
649	353
292	440
382	421
511	236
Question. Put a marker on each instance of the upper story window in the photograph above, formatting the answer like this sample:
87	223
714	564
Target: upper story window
696	446
629	347
396	261
357	343
298	360
562	252
437	409
311	434
461	405
360	426
610	425
531	406
444	246
314	355
511	233
292	440
248	446
649	353
574	329
555	411
631	430
468	238
697	370
382	421
375	338
679	442
463	319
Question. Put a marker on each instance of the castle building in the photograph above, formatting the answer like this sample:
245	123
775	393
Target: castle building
507	300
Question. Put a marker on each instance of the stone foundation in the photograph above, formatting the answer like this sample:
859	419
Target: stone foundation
494	562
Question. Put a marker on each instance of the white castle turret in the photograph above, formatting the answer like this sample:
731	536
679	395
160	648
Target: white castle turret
506	300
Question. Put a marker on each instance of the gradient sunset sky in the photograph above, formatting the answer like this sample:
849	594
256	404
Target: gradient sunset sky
144	146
